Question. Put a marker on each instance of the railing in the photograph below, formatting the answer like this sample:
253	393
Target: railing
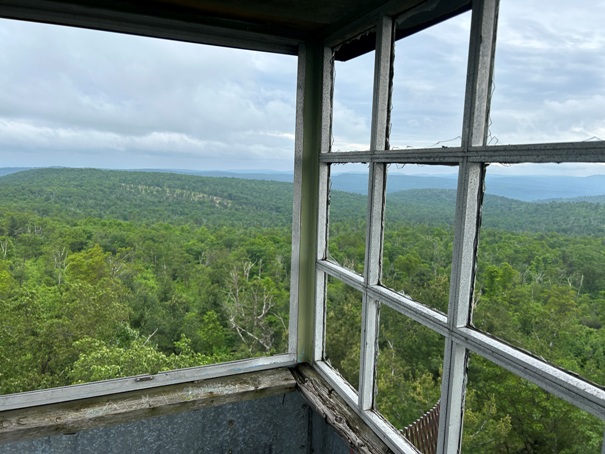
423	432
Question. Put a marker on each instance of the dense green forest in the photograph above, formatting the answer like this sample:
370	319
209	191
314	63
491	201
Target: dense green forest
111	273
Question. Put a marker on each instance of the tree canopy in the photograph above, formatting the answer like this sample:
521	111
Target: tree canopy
109	274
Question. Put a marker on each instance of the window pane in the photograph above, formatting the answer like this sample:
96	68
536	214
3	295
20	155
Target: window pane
505	413
541	270
107	273
352	103
419	232
428	86
343	330
348	208
549	84
408	377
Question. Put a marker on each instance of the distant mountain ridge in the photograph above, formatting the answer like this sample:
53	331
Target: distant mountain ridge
525	188
147	197
9	170
178	198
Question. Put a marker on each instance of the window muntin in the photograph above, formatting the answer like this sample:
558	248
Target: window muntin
428	86
549	86
459	339
113	274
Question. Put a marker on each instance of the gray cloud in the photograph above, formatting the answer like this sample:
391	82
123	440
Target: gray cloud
74	97
141	101
549	82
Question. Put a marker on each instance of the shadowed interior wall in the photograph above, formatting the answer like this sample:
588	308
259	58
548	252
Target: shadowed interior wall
276	424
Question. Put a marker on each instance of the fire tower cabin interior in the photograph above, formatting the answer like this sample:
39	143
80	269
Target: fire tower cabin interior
300	399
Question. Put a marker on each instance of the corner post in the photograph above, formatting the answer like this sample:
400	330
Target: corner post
313	116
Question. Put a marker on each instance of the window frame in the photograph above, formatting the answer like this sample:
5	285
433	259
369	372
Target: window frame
472	158
128	23
310	266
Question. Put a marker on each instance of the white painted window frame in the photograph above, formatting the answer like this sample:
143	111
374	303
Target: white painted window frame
471	157
89	17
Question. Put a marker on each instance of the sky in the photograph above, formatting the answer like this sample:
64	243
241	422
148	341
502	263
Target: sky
83	98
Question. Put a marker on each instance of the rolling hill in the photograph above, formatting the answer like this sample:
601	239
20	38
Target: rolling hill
152	197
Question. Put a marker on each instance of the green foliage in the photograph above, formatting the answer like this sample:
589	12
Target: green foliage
213	336
343	330
7	282
108	274
409	368
484	428
98	361
507	414
95	283
88	266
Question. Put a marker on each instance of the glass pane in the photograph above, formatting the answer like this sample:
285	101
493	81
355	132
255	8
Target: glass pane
107	273
343	330
428	86
408	377
348	208
505	413
549	84
419	232
541	270
352	103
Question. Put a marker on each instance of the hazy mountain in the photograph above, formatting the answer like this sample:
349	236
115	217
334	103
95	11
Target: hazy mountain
269	175
147	197
525	188
541	187
9	170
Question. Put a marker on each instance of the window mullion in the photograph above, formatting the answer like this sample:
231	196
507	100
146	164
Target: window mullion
310	199
468	202
375	215
479	73
468	206
327	85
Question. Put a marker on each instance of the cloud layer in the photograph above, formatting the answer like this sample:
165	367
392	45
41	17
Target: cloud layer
85	98
79	97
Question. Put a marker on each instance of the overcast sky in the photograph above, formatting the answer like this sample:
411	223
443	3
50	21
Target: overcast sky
81	98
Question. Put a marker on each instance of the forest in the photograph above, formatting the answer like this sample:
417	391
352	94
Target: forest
108	274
